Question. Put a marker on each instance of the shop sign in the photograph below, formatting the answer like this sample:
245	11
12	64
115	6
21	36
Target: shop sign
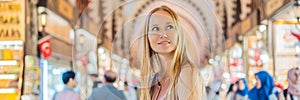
60	48
12	20
62	7
272	6
65	9
57	26
44	45
10	34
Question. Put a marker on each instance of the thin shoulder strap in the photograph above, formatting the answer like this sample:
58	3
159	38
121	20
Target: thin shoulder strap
291	96
285	93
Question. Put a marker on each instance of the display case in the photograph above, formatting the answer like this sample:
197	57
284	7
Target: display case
11	68
257	58
286	50
32	78
12	38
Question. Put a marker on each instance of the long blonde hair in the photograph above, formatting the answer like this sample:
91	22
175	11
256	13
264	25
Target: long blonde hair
150	59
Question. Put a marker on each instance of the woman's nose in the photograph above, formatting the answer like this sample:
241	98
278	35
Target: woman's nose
163	34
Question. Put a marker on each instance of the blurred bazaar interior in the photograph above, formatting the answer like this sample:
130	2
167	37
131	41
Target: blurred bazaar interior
41	39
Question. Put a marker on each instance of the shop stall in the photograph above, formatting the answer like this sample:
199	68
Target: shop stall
257	56
12	39
235	57
285	28
85	58
51	79
32	78
56	53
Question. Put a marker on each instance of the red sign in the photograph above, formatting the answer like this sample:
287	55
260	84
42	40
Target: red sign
45	48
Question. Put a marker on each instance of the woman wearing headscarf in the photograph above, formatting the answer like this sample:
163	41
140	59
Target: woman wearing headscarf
231	92
242	91
293	90
264	87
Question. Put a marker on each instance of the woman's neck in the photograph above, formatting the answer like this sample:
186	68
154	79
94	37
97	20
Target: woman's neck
166	55
166	65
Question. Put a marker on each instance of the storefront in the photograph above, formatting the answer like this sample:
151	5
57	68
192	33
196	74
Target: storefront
86	59
285	31
12	39
235	53
56	53
32	78
121	66
249	53
217	74
256	55
51	80
118	64
235	57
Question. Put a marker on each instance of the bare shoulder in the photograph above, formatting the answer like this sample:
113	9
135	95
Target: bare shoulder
185	81
186	67
186	71
186	77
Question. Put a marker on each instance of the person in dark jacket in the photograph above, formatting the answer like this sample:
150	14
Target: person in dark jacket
108	91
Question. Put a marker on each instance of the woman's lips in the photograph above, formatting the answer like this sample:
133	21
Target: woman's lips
163	43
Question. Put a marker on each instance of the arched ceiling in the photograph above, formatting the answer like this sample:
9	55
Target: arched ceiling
196	15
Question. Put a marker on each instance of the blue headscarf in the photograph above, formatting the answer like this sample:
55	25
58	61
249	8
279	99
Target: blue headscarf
245	91
267	85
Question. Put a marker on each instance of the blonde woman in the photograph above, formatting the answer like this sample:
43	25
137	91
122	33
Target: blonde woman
167	71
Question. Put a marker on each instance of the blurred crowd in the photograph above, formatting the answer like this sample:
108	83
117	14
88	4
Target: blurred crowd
264	89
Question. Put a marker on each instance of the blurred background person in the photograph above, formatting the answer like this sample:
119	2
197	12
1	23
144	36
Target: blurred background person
264	87
67	93
129	92
214	90
108	91
137	90
231	92
242	90
96	81
293	90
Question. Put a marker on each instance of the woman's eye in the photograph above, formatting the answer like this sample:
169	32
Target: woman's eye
155	29
169	27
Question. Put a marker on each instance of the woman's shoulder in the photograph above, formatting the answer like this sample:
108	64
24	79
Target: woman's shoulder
186	71
186	66
189	84
185	75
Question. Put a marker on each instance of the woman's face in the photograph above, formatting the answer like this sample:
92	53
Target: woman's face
241	85
258	83
162	32
72	82
297	76
234	88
